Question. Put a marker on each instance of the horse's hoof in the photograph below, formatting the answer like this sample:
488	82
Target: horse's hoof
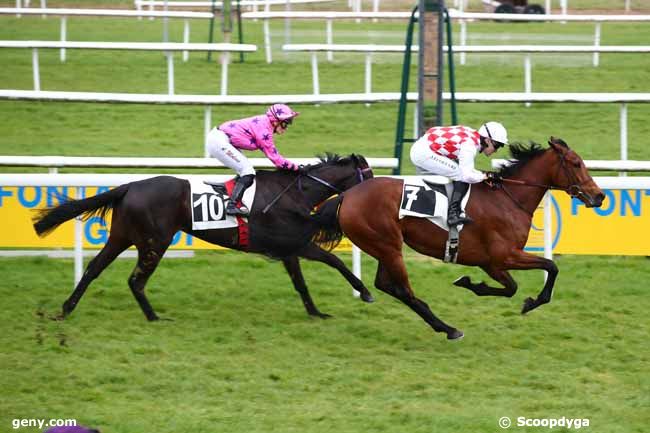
463	281
367	297
529	304
455	335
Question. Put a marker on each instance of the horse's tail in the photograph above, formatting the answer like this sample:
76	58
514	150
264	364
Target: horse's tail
48	219
329	234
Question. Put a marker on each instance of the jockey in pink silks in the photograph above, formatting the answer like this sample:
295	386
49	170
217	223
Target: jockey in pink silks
450	151
251	133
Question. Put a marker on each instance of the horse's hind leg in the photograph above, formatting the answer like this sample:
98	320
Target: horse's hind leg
392	278
314	252
292	265
482	289
114	246
149	256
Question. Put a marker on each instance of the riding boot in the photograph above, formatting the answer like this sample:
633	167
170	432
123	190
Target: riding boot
241	184
454	217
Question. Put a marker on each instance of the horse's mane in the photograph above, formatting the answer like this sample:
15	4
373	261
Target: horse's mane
330	159
521	154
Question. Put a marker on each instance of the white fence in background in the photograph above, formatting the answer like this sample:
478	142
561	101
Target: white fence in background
329	17
168	47
113	13
208	101
152	4
55	162
369	50
462	17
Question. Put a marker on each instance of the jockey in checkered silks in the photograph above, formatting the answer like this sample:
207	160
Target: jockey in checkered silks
450	151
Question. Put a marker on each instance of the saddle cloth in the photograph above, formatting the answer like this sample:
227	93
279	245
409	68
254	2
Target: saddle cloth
208	205
425	197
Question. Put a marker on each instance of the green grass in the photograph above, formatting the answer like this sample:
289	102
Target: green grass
112	130
241	355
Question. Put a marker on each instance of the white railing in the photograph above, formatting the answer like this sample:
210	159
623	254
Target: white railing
369	50
168	48
205	100
56	162
208	100
463	18
151	4
112	13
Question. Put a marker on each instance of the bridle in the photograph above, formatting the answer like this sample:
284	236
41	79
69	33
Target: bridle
359	172
574	188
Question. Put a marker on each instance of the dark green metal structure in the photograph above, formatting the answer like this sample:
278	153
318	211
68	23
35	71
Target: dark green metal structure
430	72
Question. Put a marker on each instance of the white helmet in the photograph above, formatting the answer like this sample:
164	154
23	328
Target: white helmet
494	131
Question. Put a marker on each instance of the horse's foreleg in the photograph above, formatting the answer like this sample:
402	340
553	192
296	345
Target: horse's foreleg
292	265
523	261
314	252
482	289
114	246
392	278
148	258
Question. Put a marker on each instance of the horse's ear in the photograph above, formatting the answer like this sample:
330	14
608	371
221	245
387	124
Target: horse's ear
557	143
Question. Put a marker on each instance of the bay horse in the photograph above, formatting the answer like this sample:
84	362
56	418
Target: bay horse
502	214
148	213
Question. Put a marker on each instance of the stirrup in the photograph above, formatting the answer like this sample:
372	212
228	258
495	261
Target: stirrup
454	221
237	211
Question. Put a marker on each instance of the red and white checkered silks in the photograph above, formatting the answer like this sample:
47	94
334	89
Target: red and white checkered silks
446	140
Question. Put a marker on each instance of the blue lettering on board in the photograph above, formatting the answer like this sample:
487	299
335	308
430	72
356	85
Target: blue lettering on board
634	205
4	193
102	190
95	231
24	201
628	203
54	192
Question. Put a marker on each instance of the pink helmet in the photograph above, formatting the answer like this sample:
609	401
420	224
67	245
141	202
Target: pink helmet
280	112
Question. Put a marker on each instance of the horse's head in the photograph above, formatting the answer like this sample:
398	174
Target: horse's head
572	176
337	173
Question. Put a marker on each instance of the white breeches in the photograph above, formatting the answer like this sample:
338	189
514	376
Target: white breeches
432	163
219	147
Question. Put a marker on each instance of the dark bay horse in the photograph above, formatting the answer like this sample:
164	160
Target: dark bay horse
148	213
502	213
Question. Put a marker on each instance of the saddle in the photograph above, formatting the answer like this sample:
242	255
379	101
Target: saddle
428	197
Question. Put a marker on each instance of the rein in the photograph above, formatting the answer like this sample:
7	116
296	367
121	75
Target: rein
360	173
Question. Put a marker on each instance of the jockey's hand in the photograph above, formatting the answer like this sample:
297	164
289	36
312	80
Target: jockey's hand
303	169
493	179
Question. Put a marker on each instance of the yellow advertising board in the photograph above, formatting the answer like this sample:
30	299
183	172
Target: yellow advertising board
620	227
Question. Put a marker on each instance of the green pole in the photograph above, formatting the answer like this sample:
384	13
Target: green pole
401	113
240	32
452	80
211	31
